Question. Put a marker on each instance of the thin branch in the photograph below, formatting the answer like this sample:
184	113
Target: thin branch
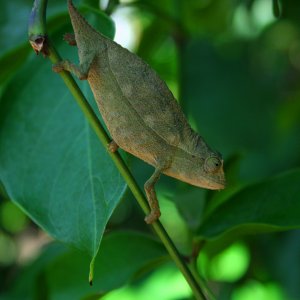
40	42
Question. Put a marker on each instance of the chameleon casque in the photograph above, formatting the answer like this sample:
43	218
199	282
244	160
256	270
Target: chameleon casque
141	113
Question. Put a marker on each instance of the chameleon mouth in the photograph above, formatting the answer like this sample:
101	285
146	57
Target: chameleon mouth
207	183
215	184
218	185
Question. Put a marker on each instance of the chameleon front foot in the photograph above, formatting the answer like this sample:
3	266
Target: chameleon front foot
153	216
58	67
113	146
70	39
80	71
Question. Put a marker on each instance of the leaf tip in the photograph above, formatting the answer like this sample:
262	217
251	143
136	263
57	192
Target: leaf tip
91	274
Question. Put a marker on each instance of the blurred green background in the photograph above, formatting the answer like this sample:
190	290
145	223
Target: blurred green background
234	67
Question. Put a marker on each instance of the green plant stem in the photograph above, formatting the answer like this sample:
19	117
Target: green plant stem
201	282
37	23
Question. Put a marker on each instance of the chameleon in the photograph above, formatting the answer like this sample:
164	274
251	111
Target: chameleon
141	113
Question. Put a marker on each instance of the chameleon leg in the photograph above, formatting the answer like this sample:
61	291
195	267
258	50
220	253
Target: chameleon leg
152	198
70	39
113	146
80	71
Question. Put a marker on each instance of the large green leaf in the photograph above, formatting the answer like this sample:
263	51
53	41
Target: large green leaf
51	162
265	206
12	61
14	20
61	271
13	23
62	176
14	50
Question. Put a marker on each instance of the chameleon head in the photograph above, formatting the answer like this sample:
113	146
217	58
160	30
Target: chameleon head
212	174
202	171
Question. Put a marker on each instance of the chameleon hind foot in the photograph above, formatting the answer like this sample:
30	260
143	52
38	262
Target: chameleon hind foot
153	216
152	198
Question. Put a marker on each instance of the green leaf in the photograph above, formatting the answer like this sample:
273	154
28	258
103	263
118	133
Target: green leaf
200	16
122	256
15	45
265	206
62	272
25	285
63	178
15	49
12	60
160	52
190	202
100	21
213	94
14	21
277	8
51	162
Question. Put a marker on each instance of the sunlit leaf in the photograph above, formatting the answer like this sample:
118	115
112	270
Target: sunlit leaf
62	271
270	205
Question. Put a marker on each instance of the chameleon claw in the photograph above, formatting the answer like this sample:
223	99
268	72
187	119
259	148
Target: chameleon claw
152	198
113	146
70	39
57	68
153	216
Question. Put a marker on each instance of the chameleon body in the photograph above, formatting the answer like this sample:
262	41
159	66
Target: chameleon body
141	113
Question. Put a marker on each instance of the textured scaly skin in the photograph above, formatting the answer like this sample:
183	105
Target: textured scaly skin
141	113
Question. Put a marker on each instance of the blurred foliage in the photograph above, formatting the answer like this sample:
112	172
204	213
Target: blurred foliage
60	273
234	67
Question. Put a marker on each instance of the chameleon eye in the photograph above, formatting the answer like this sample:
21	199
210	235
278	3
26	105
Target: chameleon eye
212	164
